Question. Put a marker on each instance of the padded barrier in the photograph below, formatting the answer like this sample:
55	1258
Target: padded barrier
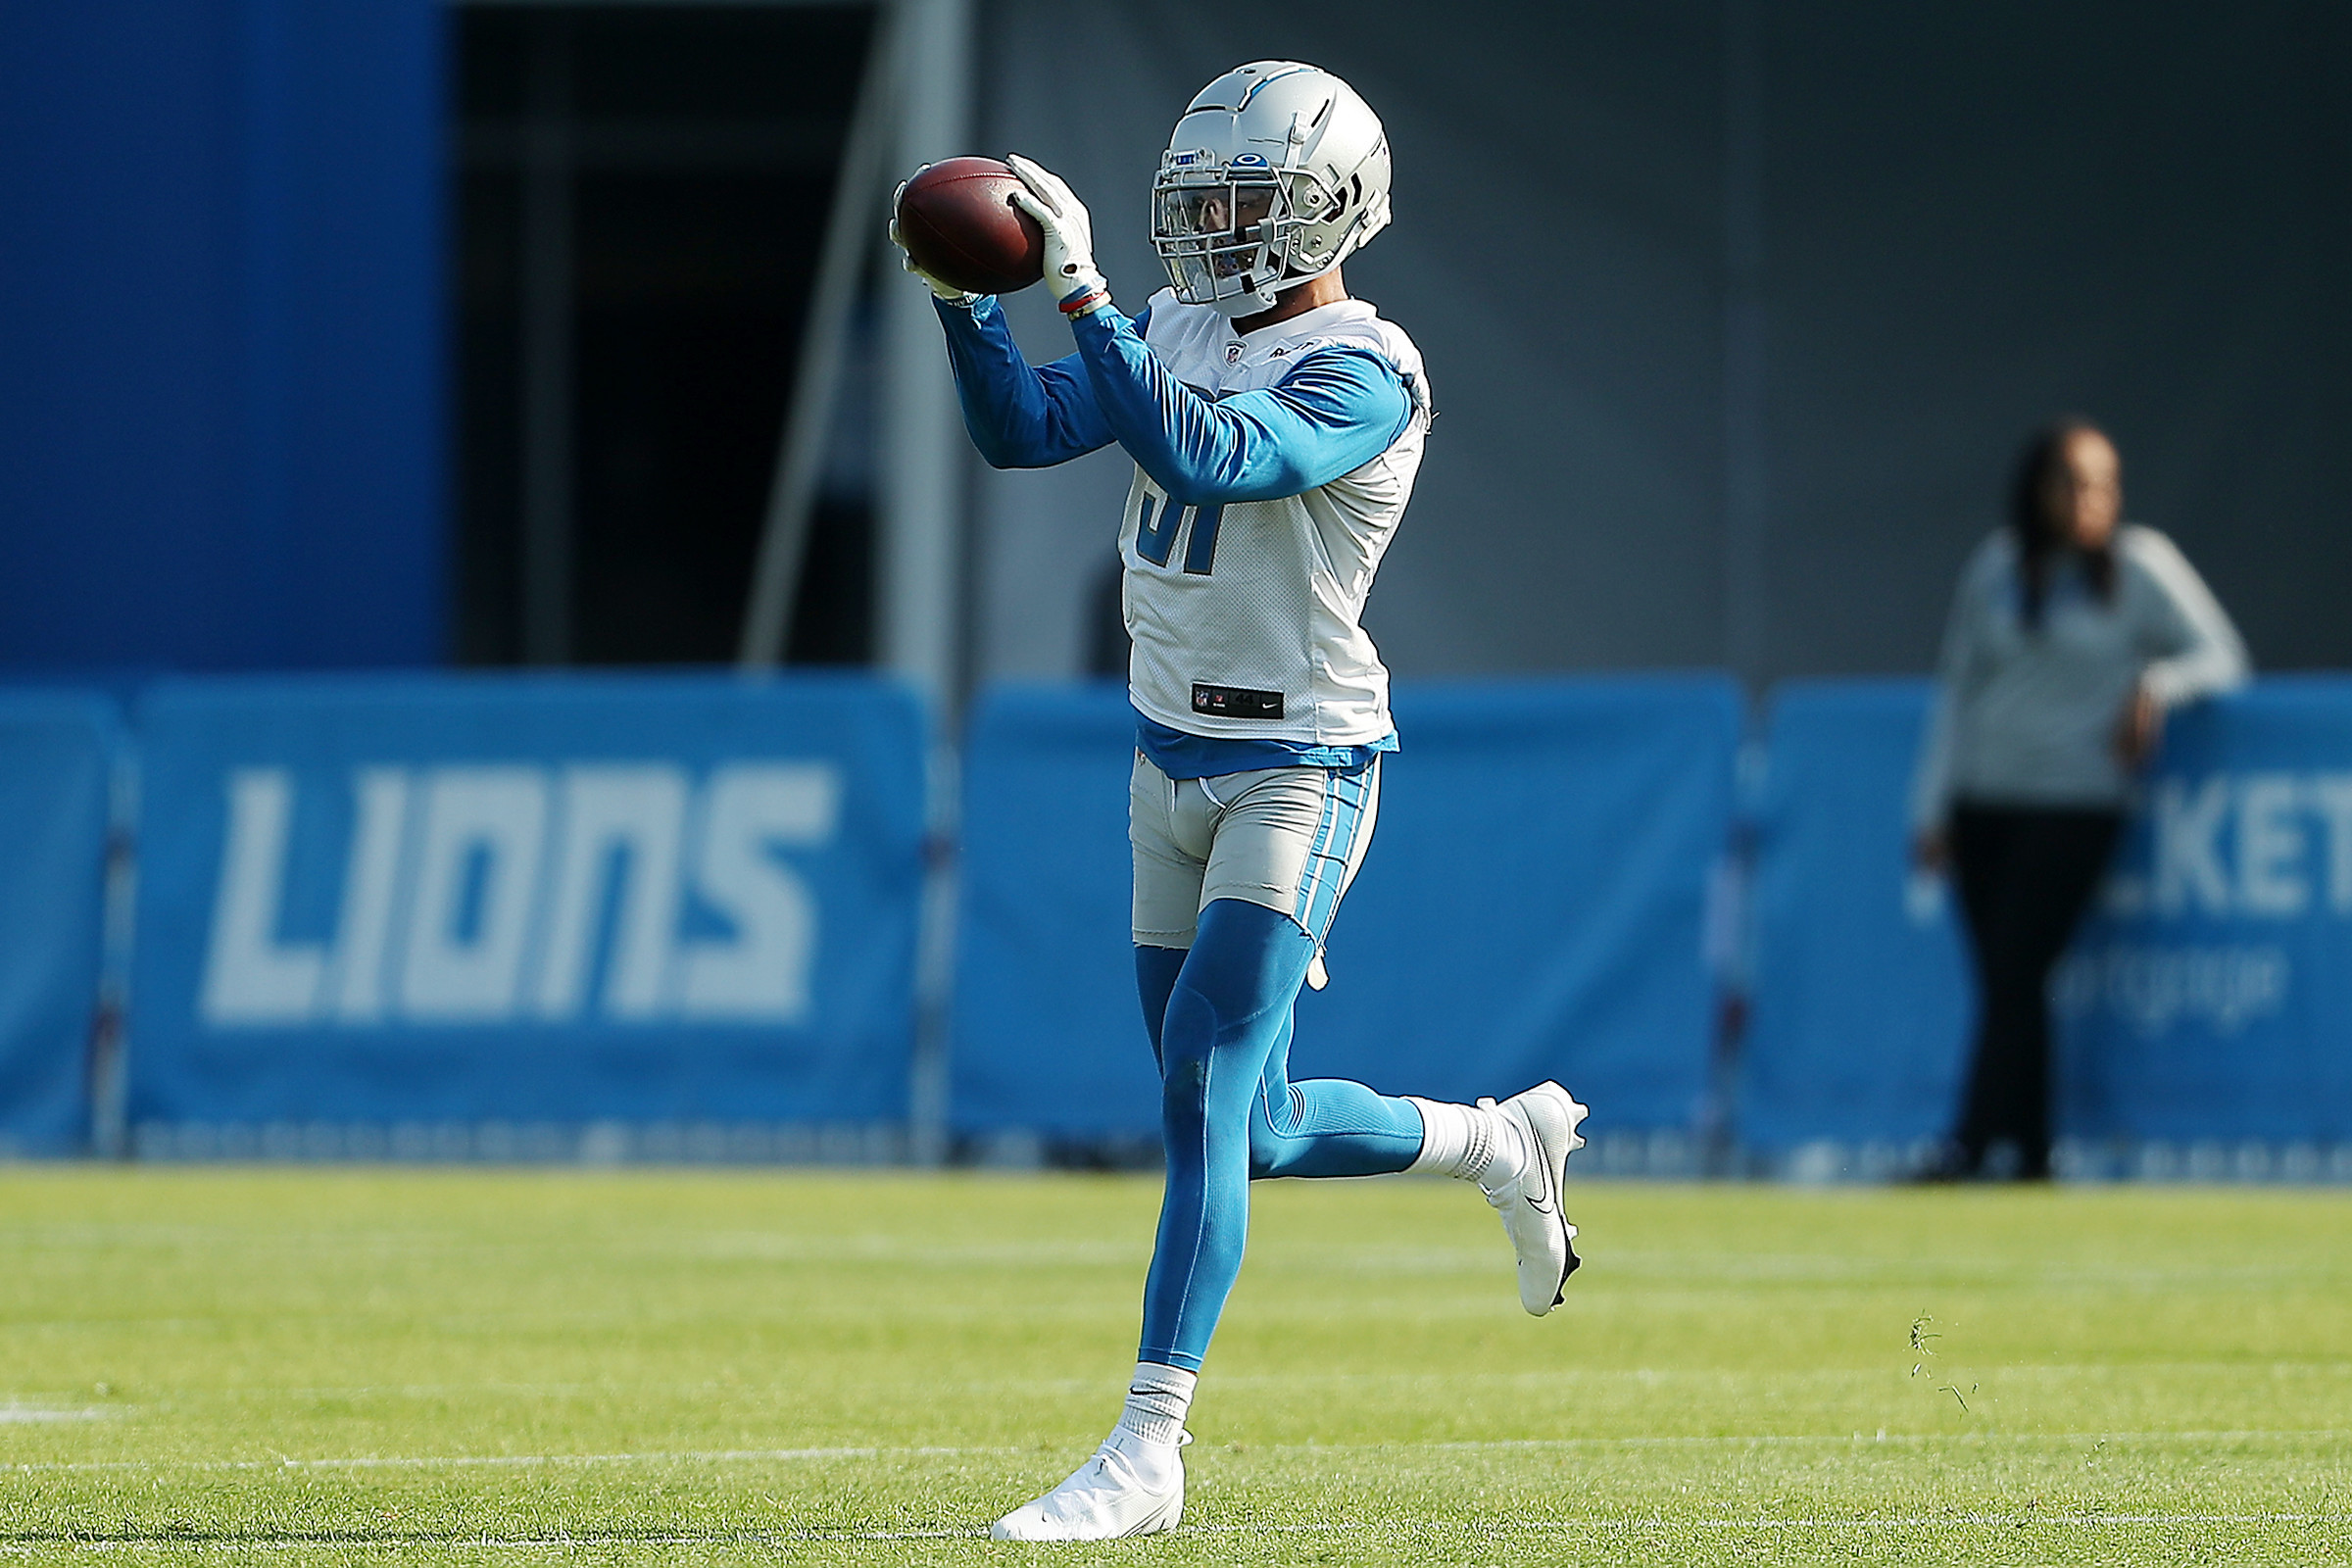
1860	1001
57	757
2208	1000
336	934
1532	906
431	903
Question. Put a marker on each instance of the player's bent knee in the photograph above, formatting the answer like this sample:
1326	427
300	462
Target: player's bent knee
1275	1145
1271	1154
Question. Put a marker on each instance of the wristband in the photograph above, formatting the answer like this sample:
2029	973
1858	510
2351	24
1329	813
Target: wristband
1092	298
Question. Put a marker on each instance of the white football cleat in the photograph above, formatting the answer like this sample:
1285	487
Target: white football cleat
1103	1500
1547	1117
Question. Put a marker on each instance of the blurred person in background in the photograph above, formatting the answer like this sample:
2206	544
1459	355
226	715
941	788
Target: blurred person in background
2072	635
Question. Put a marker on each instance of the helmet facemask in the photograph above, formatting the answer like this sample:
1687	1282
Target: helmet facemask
1228	233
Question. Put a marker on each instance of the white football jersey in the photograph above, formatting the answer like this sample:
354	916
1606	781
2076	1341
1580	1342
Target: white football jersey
1246	617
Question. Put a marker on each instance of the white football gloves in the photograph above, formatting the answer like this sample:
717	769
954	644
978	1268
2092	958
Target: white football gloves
1069	232
946	291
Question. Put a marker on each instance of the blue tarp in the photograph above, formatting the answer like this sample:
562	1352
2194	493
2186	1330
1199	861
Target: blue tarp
57	756
2211	995
380	900
1533	906
1861	999
372	901
1047	1031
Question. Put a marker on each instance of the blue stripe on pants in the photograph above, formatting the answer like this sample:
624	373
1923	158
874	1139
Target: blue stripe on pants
1324	877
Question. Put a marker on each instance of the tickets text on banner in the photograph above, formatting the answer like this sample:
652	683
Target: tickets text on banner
2208	998
2210	994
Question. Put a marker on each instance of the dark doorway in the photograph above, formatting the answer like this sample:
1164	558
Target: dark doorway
641	197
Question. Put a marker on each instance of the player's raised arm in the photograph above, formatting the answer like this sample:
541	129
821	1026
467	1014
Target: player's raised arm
1337	411
1340	409
1019	415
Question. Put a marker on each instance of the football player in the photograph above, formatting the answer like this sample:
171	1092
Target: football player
1276	427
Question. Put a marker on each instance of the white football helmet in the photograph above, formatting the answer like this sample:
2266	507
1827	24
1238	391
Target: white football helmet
1276	175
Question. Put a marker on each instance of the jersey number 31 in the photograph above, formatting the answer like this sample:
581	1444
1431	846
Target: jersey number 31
1158	525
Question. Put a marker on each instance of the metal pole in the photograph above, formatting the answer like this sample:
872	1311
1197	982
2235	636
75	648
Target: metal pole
1744	497
919	496
549	318
920	486
1746	624
110	1132
858	192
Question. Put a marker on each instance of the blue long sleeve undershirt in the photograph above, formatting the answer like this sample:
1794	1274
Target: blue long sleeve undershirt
1019	415
1337	411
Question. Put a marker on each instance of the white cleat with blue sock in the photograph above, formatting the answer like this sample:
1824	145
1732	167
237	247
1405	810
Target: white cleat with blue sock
1104	1498
1545	1118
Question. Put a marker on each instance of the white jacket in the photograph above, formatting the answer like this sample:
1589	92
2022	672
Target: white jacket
2028	717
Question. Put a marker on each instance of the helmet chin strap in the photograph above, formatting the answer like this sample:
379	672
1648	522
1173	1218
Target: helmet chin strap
1249	304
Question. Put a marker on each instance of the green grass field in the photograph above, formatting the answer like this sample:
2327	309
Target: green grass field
445	1366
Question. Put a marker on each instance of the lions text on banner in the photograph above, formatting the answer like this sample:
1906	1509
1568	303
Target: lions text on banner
643	900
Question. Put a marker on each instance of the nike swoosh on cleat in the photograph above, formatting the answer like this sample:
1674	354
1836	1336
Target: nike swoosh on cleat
1574	1263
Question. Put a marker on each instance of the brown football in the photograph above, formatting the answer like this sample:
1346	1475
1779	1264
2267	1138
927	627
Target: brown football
960	224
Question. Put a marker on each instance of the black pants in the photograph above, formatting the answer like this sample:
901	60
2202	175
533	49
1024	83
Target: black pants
2025	876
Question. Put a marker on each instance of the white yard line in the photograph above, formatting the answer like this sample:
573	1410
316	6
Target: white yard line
1646	1376
454	1461
13	1413
231	1542
1856	1439
1766	1439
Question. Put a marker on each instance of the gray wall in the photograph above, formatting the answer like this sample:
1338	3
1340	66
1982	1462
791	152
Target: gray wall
1971	216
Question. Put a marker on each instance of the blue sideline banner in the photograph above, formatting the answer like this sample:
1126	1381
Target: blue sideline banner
416	900
57	758
1861	1001
1048	1035
2210	998
1533	907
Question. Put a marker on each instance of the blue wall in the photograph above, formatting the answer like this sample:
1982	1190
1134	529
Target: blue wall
57	757
2207	998
221	422
1532	906
1862	1003
375	903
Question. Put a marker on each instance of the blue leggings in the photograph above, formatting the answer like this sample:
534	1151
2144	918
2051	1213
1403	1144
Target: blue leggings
1220	1014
